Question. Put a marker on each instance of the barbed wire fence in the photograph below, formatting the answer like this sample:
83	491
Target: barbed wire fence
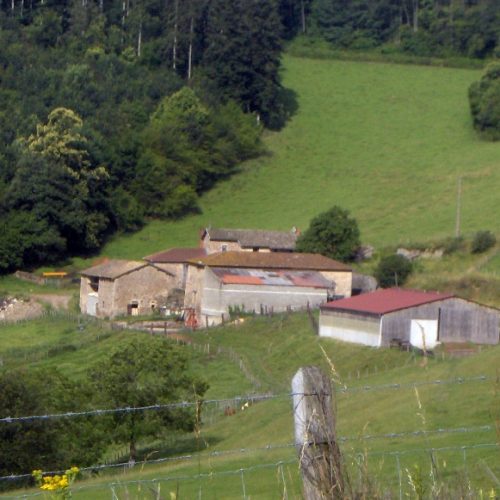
350	444
398	467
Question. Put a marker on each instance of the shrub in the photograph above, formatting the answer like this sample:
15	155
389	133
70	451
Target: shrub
453	244
332	233
483	240
393	270
484	100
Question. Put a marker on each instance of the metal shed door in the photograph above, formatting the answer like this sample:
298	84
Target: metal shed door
92	299
424	331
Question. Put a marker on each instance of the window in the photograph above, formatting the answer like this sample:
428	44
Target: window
223	248
133	308
94	284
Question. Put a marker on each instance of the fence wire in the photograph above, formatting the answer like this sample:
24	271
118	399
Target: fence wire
248	398
270	447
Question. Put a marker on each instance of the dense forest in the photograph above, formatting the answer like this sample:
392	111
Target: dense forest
115	111
111	112
443	28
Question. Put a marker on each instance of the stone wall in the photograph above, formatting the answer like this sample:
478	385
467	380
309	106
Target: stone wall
342	280
179	270
148	286
217	246
194	288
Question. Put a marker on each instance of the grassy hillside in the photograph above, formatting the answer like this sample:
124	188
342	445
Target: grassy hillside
386	141
257	439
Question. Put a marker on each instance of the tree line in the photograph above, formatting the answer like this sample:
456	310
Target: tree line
112	112
441	28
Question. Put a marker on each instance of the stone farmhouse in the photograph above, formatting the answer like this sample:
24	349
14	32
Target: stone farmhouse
121	287
247	240
255	282
422	319
249	270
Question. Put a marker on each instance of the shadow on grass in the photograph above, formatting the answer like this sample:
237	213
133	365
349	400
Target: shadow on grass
182	445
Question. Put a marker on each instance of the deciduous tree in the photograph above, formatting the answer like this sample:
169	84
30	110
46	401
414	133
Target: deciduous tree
146	372
332	233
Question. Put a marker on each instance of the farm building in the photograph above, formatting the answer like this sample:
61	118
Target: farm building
176	261
422	318
121	287
257	282
247	240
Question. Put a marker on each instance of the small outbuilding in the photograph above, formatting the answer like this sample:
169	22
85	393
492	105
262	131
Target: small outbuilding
123	287
247	240
421	318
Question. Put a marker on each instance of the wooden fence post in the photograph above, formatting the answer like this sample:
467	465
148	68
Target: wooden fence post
315	441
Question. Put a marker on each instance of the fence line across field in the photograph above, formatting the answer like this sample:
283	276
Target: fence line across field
240	399
242	471
269	447
202	475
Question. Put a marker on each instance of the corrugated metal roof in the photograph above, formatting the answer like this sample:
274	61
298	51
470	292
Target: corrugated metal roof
250	238
232	279
272	260
113	269
308	279
176	255
387	300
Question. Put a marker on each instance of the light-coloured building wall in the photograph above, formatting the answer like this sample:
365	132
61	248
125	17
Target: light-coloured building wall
342	281
353	328
218	246
84	292
179	270
148	286
194	288
105	298
218	298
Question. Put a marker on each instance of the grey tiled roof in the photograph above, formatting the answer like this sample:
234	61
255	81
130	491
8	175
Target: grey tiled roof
113	269
248	238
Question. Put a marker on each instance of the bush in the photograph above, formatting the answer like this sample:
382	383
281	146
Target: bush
332	233
393	270
483	240
484	100
453	244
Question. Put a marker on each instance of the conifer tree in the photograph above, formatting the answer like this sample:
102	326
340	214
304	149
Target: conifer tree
242	55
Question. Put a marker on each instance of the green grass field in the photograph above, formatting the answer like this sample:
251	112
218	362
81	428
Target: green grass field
388	142
257	459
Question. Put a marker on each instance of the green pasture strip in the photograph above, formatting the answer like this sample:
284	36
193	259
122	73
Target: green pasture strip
62	341
12	286
388	142
73	344
317	48
493	265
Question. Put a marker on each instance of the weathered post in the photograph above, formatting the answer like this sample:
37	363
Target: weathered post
315	441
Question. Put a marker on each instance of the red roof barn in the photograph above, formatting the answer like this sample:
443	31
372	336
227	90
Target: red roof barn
422	318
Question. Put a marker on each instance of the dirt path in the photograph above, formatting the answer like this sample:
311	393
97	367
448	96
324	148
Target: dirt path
483	261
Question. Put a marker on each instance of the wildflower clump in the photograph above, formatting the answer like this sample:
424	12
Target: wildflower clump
59	484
